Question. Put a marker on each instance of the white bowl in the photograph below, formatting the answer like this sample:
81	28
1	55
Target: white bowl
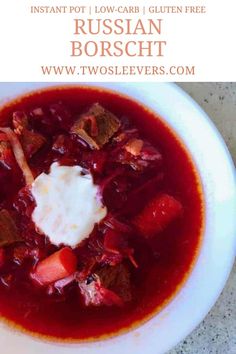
218	249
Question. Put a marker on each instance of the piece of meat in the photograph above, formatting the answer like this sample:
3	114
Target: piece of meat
31	141
96	126
157	215
134	146
19	154
6	154
21	253
138	154
116	279
8	230
95	294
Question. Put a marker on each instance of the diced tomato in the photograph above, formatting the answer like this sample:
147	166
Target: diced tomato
92	120
31	142
111	258
117	279
157	215
9	232
59	265
149	153
19	121
134	146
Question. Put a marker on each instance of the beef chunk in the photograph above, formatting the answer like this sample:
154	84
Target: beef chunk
138	154
31	141
95	294
8	230
96	127
6	155
109	286
117	279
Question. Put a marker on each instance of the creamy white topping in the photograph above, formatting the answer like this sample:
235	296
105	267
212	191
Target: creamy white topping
67	204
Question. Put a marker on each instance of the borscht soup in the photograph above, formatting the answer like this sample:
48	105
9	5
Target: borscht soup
101	213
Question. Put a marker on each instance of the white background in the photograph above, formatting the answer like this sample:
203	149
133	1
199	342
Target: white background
29	41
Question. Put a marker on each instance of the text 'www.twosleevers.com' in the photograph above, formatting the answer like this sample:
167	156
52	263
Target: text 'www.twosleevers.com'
90	70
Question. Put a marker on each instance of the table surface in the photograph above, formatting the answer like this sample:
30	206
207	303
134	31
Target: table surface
217	333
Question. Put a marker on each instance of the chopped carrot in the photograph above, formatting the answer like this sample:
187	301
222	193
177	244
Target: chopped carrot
59	265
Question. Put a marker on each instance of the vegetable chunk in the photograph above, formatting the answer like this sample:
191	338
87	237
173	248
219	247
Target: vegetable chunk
117	279
6	155
95	294
31	141
8	230
157	215
109	286
96	127
59	265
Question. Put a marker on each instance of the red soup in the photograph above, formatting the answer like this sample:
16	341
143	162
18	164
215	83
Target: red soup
101	213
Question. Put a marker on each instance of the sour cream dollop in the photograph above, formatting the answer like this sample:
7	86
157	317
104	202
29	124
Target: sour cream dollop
67	204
